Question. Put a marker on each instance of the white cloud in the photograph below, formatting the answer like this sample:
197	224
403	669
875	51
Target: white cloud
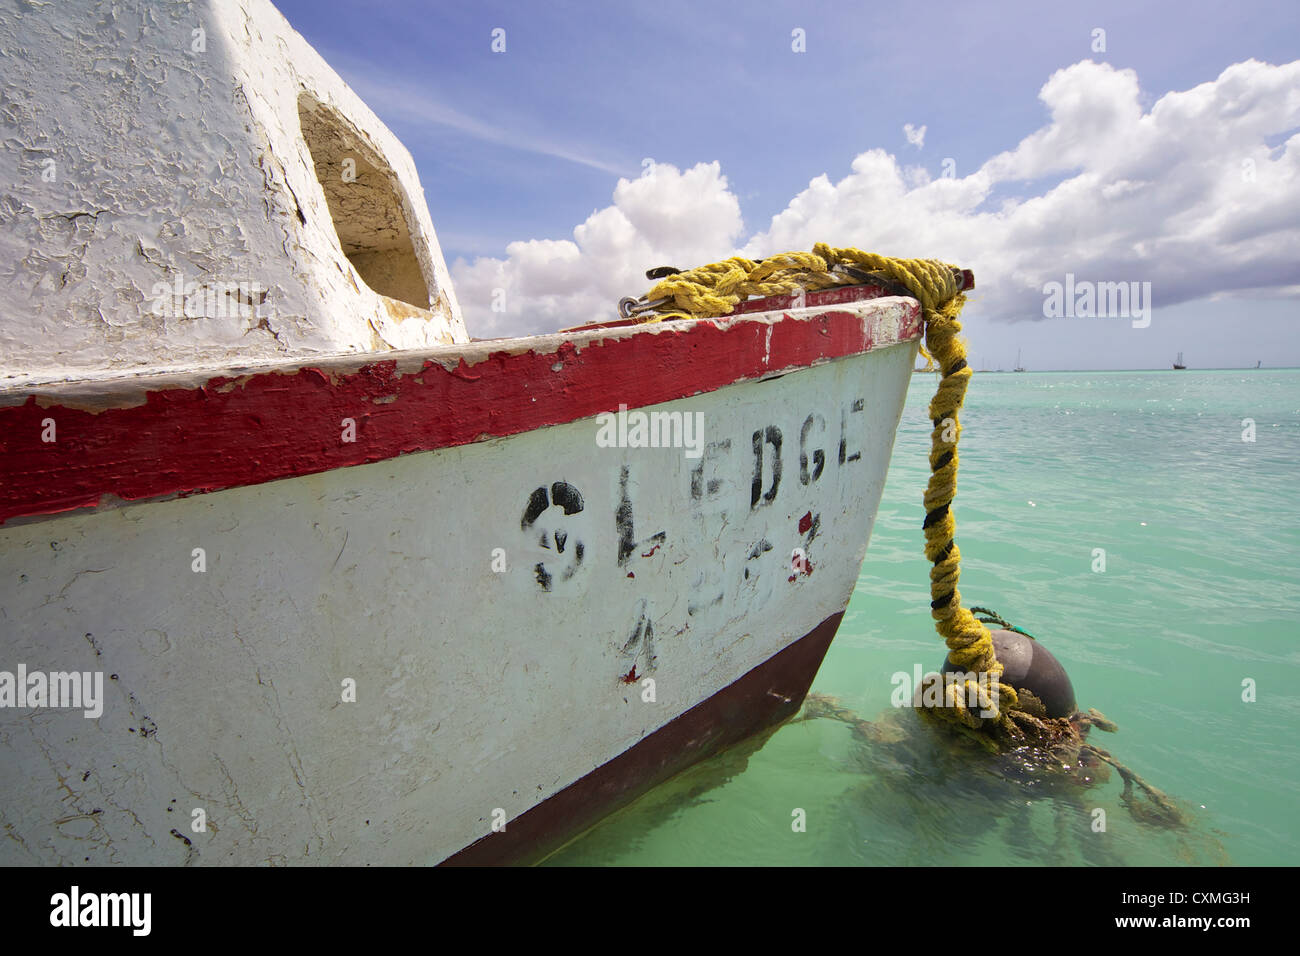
914	136
664	217
1188	196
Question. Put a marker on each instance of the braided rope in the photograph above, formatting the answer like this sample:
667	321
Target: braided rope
716	289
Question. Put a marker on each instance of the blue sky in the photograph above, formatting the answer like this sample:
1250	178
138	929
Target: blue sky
528	144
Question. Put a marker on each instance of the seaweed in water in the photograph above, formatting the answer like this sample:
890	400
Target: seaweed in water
948	791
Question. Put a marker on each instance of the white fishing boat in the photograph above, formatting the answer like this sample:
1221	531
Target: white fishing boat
292	570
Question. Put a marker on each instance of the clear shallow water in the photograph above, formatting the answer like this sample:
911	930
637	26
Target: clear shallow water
1200	592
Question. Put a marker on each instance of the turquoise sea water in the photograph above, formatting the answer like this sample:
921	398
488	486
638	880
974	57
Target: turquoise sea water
1201	533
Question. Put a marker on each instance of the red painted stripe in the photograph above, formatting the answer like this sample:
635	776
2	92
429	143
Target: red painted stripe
277	424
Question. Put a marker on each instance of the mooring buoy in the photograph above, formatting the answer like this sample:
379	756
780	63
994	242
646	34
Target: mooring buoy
1029	666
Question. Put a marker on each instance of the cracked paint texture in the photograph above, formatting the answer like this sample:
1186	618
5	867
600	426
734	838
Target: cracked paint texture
131	159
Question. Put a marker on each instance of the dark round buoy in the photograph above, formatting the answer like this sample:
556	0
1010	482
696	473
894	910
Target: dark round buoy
1029	665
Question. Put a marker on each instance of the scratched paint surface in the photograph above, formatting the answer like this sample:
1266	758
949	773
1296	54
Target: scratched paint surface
195	171
476	689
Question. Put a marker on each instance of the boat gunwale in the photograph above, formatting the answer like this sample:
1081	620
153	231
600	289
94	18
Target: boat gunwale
122	382
176	434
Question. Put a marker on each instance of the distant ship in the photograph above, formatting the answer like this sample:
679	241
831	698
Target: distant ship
1019	367
1178	362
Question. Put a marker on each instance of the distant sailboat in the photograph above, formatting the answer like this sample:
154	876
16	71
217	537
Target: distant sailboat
1019	367
1258	363
1178	362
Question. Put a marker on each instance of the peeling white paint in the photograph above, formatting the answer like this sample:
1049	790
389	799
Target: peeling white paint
130	159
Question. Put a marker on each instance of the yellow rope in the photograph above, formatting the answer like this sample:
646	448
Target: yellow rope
716	289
